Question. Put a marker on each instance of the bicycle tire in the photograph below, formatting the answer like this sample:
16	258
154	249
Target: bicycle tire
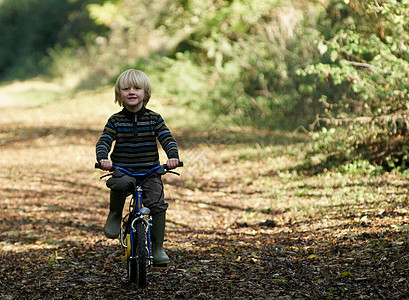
141	260
137	264
132	266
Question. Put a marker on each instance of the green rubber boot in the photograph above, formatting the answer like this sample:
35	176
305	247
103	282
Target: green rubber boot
113	224
160	259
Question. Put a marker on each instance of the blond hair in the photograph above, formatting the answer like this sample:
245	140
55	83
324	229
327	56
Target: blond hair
132	78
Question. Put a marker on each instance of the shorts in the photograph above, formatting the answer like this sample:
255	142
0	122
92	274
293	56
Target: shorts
152	194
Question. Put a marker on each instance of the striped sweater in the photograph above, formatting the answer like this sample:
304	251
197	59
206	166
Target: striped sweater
135	140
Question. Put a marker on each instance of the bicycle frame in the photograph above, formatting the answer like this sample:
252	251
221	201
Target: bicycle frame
137	212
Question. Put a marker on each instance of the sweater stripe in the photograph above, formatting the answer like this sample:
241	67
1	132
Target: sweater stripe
136	146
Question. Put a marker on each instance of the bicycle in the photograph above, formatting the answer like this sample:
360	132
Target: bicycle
135	234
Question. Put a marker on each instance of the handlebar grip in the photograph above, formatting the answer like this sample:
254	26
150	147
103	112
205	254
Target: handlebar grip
180	164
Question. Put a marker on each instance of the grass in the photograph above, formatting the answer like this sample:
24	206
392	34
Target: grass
30	93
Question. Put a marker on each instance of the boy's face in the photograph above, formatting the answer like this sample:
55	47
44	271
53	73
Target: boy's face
132	98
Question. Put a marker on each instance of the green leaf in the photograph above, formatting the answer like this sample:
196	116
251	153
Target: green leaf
333	55
345	274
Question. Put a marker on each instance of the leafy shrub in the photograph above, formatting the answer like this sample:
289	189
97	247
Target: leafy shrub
252	49
165	74
361	167
362	82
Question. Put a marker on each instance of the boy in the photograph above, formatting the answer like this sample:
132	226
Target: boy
135	130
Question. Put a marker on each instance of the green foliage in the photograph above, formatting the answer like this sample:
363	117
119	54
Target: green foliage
252	49
361	81
235	58
165	74
361	167
29	28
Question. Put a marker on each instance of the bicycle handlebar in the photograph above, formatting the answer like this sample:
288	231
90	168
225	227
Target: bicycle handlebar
161	169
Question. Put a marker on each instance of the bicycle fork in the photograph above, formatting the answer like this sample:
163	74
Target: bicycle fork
141	213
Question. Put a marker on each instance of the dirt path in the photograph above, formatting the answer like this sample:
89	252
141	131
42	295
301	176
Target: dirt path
241	223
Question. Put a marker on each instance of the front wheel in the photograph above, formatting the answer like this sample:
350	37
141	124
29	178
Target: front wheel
137	264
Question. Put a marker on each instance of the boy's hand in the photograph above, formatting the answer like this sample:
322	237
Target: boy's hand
106	164
172	163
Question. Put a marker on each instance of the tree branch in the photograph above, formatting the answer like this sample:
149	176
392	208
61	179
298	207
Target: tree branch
358	64
399	115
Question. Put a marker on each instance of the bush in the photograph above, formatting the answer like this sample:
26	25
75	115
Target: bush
361	81
253	49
